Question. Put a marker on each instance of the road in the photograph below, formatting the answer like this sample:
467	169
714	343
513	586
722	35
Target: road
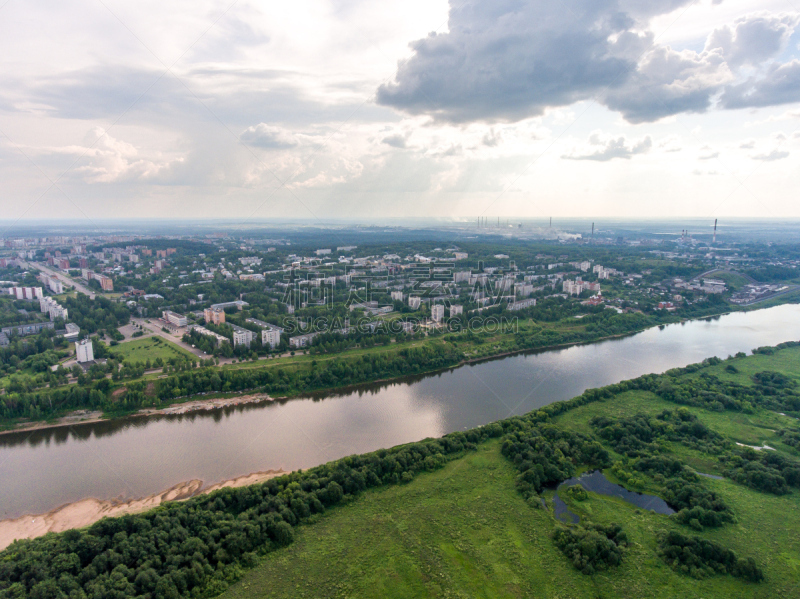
791	289
61	277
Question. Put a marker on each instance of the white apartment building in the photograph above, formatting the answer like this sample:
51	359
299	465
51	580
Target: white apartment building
84	352
523	289
301	340
573	287
29	293
414	302
456	310
437	312
270	334
242	336
49	306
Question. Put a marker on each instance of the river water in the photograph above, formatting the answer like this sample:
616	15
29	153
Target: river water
137	457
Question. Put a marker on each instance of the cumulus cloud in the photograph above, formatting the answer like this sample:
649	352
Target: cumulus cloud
780	85
611	148
492	138
105	159
269	137
707	153
671	143
752	39
396	140
669	82
771	156
508	60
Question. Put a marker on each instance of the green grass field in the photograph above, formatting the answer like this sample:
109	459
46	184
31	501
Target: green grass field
141	350
465	531
734	281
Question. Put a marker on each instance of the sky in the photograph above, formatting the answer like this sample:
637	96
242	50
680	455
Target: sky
353	109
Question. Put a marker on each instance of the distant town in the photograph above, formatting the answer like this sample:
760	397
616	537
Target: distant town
92	302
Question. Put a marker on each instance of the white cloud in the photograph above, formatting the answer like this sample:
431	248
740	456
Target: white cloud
104	159
270	137
603	148
771	156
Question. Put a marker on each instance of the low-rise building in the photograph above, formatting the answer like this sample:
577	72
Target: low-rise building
522	304
302	340
53	284
208	333
179	320
214	315
238	304
23	330
71	331
26	293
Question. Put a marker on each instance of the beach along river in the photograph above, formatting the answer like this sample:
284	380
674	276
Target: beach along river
137	457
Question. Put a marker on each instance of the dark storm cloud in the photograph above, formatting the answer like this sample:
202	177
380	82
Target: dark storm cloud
508	60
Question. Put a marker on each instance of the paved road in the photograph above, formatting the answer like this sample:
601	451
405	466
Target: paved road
61	277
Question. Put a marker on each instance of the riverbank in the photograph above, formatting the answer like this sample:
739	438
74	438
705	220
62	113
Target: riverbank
88	511
182	405
185	407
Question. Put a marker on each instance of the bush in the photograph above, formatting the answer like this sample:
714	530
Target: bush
591	547
700	558
577	492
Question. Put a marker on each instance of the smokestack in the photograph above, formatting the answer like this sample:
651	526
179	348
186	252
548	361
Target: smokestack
715	230
551	222
592	230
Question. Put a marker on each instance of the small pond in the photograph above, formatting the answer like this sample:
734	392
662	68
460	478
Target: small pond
597	482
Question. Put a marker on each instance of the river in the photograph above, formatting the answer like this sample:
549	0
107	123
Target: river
137	457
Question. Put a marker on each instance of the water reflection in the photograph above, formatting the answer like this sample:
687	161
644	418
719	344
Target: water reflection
597	482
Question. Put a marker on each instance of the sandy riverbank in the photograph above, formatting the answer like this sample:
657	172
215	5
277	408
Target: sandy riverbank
87	511
195	405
